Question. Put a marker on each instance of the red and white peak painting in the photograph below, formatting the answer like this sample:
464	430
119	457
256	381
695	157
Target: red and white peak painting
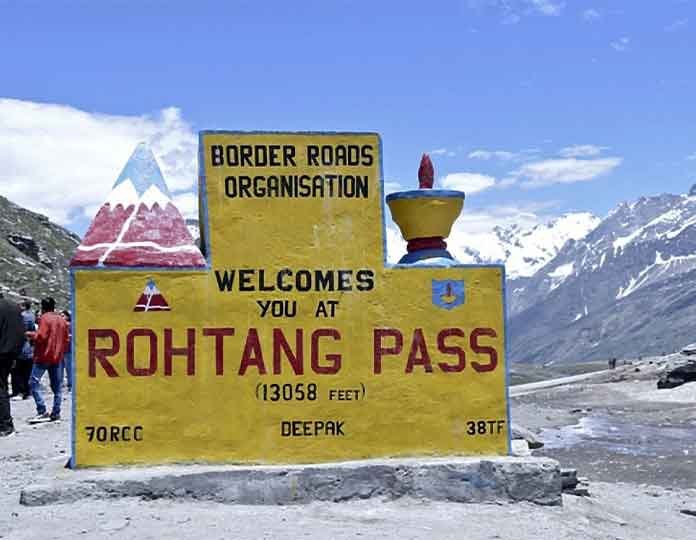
151	299
139	225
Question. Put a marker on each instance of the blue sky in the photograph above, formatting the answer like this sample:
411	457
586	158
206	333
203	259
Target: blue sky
542	106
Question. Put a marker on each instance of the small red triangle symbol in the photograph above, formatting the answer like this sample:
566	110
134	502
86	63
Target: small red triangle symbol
151	299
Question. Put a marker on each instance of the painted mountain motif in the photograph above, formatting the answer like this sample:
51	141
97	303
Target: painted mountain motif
138	224
151	299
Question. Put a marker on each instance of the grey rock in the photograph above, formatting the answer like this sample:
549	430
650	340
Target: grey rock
34	255
569	479
679	375
503	479
578	492
520	448
518	432
689	350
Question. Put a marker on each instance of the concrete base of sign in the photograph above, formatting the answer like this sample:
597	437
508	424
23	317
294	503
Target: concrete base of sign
465	480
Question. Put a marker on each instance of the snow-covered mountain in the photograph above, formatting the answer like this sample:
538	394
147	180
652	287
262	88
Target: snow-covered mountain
625	288
524	251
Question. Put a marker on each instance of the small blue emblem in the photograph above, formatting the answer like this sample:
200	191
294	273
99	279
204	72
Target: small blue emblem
449	293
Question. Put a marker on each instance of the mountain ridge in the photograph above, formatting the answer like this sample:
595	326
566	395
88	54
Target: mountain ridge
34	255
623	270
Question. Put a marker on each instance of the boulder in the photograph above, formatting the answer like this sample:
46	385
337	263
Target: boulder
689	350
678	376
520	448
518	432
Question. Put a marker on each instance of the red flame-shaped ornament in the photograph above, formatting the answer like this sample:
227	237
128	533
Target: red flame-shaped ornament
426	173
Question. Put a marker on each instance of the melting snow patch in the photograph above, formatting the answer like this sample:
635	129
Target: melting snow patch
560	274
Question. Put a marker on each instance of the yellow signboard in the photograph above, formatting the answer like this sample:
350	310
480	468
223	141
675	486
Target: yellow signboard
298	344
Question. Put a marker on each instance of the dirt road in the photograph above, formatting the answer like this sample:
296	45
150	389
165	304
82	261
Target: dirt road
629	511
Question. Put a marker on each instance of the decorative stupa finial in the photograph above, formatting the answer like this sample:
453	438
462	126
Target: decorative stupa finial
426	173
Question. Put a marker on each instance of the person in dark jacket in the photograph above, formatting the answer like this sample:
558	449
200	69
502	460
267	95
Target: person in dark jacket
22	369
50	342
11	341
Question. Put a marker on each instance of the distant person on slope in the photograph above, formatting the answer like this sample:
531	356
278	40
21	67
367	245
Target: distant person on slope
11	340
22	370
50	343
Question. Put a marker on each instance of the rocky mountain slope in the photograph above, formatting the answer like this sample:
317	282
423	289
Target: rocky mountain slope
525	251
34	255
624	289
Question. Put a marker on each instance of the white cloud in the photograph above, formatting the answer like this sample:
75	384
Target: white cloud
677	25
513	10
547	7
591	14
187	203
691	157
390	186
507	182
621	44
582	150
564	171
502	155
62	162
442	152
511	18
467	182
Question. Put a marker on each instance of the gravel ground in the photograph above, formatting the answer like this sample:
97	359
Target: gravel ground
646	504
621	431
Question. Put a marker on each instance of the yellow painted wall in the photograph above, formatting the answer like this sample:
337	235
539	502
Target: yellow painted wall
217	414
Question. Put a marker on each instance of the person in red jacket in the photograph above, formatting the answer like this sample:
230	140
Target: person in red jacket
50	344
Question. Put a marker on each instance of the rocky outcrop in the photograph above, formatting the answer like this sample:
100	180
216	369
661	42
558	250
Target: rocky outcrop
34	255
678	376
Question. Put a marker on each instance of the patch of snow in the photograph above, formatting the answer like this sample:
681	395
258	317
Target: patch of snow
560	274
671	216
674	233
525	250
539	245
24	261
660	265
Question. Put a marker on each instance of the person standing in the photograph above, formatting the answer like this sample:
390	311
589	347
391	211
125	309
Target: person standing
11	340
22	370
50	342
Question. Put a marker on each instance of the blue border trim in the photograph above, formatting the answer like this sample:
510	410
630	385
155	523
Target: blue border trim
73	412
422	254
507	362
426	194
203	220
